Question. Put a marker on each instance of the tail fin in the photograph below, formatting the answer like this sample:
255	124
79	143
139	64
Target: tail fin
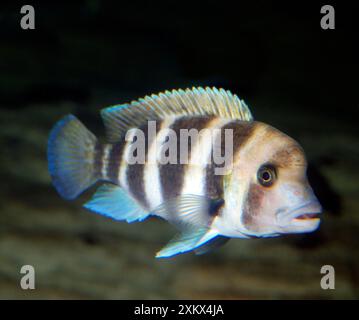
71	157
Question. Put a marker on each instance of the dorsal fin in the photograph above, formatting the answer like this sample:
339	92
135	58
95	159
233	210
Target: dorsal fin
196	101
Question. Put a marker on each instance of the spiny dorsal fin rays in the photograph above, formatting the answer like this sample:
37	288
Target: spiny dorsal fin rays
195	101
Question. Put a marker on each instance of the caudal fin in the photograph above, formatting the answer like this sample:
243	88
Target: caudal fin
71	157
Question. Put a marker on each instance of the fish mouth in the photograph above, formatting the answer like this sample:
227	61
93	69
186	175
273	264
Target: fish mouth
309	211
308	216
305	218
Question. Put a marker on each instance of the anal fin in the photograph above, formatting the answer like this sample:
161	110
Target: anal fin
114	202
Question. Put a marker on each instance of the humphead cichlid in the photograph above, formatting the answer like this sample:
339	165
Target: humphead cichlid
264	192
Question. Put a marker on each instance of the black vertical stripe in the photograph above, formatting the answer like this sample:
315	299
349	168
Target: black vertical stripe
98	155
114	161
242	130
214	183
252	207
172	175
135	172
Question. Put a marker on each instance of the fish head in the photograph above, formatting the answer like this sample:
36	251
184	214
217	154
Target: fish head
278	197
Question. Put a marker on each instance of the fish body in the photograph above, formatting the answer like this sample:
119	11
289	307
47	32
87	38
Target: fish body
166	156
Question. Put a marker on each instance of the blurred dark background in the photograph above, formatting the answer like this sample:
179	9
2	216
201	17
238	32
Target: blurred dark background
86	55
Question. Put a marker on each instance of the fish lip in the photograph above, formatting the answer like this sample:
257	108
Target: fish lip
309	212
312	209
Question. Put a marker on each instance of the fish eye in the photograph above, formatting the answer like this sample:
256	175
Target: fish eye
266	175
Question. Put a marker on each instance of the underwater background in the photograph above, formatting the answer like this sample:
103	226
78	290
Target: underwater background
86	55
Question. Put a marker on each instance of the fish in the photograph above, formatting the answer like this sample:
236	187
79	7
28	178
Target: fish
261	191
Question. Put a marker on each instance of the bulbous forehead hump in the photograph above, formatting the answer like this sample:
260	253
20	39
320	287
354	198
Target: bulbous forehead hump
281	149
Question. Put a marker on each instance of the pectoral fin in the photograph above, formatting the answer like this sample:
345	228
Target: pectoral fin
189	210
